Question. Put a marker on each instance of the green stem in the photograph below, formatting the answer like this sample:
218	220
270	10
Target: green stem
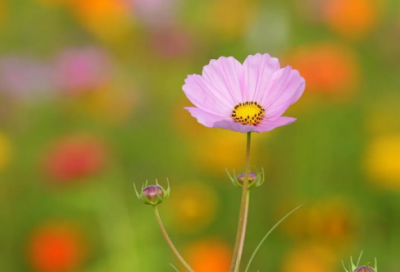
171	245
244	207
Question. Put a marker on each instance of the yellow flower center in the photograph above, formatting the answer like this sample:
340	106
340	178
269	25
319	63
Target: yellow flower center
248	113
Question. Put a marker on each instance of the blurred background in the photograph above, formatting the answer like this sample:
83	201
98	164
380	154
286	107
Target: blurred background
91	101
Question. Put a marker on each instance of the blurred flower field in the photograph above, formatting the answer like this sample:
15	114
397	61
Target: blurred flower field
91	101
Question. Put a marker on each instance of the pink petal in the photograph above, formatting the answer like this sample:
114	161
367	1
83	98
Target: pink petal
205	96
211	120
285	88
267	125
258	71
203	117
226	74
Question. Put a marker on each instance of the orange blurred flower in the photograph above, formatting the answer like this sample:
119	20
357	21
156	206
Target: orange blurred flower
330	221
5	151
351	18
56	247
382	161
74	157
105	18
327	68
310	258
209	255
193	207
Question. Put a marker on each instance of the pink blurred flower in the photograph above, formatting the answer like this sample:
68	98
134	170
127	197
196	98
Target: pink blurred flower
25	77
83	69
74	158
244	98
155	12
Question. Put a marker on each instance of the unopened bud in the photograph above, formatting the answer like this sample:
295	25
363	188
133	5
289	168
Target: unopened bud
241	177
254	180
364	269
355	268
153	194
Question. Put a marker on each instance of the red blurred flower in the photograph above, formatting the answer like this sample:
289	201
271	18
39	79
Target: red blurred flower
327	68
74	158
56	247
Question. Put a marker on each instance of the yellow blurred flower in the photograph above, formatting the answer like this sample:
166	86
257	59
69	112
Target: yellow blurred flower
352	18
382	160
5	151
105	104
230	18
221	149
310	258
192	206
209	255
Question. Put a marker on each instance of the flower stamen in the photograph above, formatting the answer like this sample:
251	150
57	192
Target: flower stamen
248	113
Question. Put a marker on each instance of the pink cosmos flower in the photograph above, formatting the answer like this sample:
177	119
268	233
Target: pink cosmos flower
245	98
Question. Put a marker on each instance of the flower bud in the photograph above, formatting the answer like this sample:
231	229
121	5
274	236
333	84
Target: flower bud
241	177
355	268
254	180
153	194
364	269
